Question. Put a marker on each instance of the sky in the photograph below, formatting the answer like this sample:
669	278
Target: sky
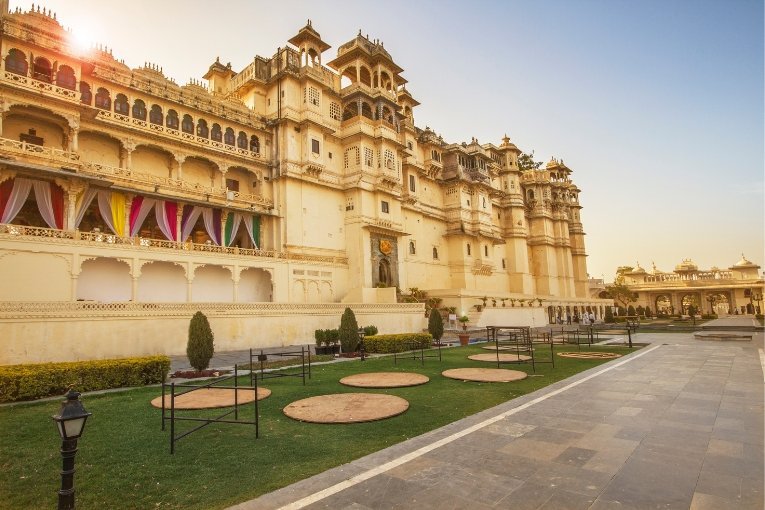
656	105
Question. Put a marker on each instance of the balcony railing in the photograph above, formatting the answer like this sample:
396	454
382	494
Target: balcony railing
10	231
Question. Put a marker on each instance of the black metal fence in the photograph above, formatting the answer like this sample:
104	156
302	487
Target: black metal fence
298	371
176	390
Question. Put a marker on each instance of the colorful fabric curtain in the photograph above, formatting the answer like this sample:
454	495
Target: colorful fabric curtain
50	203
232	227
83	202
167	214
139	210
14	194
212	224
189	219
111	205
252	223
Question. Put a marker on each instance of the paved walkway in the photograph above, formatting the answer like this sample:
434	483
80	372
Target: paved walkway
677	424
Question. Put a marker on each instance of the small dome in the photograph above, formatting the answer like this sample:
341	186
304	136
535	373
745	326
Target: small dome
744	262
686	265
638	269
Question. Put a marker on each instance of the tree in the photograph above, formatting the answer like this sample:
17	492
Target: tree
620	293
526	162
609	317
630	310
349	331
436	325
200	346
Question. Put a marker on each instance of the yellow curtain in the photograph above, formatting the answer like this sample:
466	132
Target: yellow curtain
118	213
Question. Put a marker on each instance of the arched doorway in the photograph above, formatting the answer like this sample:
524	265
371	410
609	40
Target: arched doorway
663	305
384	274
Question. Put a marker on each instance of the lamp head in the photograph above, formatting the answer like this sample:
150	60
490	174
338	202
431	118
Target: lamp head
71	416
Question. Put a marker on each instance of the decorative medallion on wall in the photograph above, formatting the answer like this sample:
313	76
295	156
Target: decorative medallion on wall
385	247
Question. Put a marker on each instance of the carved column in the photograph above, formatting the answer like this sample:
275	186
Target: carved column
126	154
223	168
178	218
74	131
179	159
236	277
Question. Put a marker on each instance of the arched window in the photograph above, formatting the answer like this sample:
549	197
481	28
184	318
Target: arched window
172	119
155	115
103	99
241	140
254	144
215	133
468	249
187	126
42	70
139	110
65	78
485	250
202	129
86	96
530	194
366	110
350	111
229	137
435	253
16	62
121	104
412	248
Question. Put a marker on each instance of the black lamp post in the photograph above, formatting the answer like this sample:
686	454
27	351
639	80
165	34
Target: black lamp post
755	297
362	347
70	420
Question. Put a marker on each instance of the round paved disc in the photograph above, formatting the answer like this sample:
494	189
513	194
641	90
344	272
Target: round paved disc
208	398
503	357
589	355
501	347
384	380
346	408
485	374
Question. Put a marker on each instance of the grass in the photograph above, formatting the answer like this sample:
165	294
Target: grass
124	459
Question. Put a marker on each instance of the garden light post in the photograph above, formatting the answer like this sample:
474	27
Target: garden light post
70	420
362	348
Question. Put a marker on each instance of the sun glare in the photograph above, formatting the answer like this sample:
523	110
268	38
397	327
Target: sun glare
81	39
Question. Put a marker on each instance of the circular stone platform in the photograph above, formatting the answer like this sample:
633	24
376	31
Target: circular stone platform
485	374
209	398
384	380
589	355
503	357
346	408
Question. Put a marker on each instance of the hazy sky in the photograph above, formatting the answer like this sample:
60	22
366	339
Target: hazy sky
656	105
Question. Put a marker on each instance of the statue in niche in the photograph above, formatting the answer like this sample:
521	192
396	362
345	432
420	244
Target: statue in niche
384	277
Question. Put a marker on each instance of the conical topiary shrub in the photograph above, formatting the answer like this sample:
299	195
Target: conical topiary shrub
200	348
349	331
436	325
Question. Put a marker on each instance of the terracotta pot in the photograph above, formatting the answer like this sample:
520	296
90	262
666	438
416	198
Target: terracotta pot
464	339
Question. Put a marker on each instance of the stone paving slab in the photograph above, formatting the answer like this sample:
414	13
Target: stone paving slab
678	424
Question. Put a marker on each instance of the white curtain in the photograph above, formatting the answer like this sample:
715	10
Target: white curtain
83	205
16	201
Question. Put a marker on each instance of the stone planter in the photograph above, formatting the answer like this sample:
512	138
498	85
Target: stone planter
464	339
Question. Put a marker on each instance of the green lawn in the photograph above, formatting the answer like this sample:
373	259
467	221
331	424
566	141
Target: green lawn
124	459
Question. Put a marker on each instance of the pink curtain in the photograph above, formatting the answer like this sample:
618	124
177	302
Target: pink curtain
167	214
139	210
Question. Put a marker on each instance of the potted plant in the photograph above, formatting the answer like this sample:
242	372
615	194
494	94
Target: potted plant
503	301
485	300
521	301
540	301
321	341
512	301
464	337
494	302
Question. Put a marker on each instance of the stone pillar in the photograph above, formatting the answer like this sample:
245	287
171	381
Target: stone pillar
134	289
126	154
179	159
74	131
236	278
71	209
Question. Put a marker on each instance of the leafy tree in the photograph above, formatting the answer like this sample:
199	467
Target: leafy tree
200	346
349	331
609	317
436	326
620	293
630	310
526	162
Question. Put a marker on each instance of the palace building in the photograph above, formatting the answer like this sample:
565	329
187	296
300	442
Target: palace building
735	290
269	197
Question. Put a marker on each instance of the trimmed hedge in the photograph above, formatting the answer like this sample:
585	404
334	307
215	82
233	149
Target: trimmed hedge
383	344
29	382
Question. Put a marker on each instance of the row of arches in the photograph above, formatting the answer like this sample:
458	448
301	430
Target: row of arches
372	79
364	109
109	280
42	70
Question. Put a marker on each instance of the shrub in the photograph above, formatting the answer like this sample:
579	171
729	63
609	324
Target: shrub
609	317
331	336
436	326
648	311
349	331
200	347
370	330
397	343
28	382
321	337
630	310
